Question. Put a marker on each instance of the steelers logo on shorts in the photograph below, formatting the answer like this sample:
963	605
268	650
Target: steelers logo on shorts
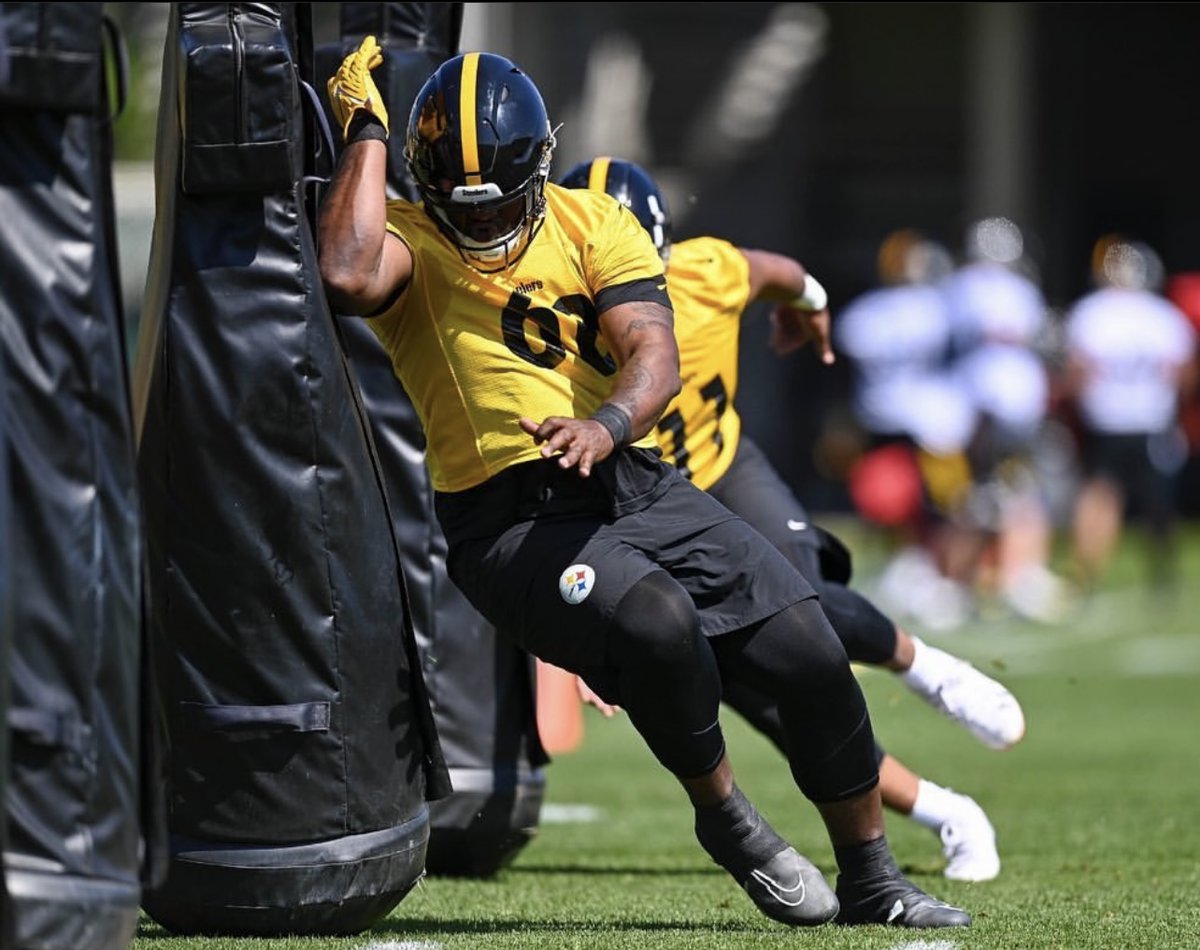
576	583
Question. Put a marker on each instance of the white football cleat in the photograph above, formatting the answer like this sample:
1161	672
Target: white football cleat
969	844
988	710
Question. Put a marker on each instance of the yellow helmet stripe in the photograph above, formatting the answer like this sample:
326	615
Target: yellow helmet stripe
466	111
598	176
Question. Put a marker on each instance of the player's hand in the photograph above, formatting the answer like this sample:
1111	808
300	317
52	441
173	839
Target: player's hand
578	443
351	89
589	698
792	328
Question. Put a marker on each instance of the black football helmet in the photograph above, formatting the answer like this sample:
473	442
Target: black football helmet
478	146
631	185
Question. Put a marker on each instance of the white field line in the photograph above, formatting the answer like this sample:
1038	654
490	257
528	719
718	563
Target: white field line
1111	616
402	945
925	945
1161	656
565	814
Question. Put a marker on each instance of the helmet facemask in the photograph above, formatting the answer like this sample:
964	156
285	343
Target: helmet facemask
479	145
491	229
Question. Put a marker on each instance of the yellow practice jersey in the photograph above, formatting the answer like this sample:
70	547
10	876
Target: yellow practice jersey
709	283
475	352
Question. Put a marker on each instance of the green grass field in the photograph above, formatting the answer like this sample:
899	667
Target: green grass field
1097	812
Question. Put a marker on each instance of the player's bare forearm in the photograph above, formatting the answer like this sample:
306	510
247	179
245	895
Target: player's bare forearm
648	355
642	339
774	277
801	314
352	229
645	386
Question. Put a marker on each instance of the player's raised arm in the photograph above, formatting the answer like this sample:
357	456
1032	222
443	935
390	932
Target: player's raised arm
361	268
801	312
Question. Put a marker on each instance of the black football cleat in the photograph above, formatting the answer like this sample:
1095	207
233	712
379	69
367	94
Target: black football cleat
897	902
792	890
783	884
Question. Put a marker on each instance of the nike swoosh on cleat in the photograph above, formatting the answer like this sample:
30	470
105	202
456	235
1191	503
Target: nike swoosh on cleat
897	910
778	891
797	525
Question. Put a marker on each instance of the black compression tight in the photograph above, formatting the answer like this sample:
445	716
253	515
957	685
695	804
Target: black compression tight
867	635
666	677
763	714
796	659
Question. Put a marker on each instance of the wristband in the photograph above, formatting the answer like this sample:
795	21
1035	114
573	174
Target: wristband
814	298
616	420
365	126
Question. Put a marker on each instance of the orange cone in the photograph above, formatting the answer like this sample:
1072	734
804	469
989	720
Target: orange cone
559	709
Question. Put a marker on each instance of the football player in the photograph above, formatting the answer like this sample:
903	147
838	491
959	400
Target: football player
711	283
531	327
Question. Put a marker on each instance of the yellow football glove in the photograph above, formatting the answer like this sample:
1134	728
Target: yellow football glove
351	89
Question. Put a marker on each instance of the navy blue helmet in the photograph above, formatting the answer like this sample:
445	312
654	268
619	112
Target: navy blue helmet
478	146
631	185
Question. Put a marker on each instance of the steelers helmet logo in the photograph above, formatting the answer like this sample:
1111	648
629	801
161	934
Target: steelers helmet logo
576	583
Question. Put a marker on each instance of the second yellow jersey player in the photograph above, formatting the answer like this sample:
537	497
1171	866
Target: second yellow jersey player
709	284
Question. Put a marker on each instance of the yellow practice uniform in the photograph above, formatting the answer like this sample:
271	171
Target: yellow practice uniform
527	337
709	283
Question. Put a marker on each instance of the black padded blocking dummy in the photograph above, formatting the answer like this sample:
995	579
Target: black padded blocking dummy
302	745
71	547
480	685
7	928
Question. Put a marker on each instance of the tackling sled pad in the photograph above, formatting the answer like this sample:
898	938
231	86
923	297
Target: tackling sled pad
303	746
481	686
72	549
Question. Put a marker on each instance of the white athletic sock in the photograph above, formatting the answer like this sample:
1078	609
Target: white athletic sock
934	805
928	669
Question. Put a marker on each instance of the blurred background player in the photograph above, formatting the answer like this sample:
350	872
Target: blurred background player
1131	362
916	422
711	283
998	319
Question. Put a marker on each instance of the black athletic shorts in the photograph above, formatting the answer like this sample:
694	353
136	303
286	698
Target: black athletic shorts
547	556
1137	464
754	490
